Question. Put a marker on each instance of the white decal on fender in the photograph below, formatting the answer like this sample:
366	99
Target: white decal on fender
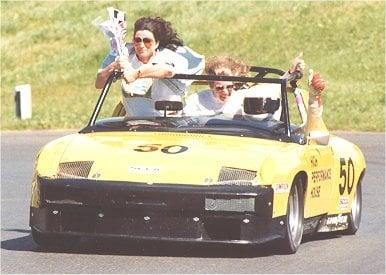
281	187
343	203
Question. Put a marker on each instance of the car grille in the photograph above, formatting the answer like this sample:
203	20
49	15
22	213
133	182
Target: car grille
236	176
74	169
234	205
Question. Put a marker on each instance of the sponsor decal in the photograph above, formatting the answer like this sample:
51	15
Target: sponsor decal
144	170
336	220
343	203
314	161
281	188
315	192
321	175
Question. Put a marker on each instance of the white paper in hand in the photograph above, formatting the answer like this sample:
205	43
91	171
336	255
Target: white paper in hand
115	30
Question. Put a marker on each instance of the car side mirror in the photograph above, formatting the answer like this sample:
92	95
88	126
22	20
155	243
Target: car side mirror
165	105
260	105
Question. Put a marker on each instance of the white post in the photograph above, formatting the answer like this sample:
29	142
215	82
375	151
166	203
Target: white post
23	101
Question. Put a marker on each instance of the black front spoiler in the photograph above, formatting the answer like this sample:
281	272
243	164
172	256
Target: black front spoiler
82	207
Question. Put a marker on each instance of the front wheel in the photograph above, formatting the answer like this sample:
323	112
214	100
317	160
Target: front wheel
356	212
294	219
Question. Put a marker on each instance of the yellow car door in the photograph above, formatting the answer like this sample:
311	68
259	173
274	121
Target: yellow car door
319	160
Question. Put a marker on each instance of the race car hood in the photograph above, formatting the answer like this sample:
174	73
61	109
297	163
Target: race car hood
164	157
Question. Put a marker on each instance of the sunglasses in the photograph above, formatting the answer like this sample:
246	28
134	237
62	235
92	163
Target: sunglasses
146	41
221	88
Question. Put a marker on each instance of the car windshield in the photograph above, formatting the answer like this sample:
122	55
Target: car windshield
213	124
254	108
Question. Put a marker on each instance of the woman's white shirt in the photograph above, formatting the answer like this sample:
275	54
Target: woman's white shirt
203	103
183	61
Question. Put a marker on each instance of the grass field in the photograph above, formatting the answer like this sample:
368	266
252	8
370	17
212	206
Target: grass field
54	46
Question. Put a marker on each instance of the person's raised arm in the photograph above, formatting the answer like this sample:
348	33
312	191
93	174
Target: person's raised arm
315	127
296	67
121	64
103	74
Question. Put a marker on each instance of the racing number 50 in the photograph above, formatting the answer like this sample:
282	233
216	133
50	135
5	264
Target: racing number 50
172	149
348	175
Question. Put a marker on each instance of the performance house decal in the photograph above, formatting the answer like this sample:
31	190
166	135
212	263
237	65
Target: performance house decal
321	175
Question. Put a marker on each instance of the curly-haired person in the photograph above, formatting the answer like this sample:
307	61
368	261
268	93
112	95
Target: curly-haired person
212	101
155	54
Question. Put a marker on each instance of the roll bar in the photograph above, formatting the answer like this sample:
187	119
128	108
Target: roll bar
259	78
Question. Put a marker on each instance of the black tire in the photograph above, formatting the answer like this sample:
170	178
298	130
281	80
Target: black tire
354	218
49	240
294	219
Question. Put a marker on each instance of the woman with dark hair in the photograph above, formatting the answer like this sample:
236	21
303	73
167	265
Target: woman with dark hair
155	54
162	31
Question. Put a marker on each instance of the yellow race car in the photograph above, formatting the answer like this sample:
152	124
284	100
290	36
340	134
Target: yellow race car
247	175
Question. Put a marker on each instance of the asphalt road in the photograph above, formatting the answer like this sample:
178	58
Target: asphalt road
362	253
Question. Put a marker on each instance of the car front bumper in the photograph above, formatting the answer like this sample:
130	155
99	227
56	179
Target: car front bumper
216	213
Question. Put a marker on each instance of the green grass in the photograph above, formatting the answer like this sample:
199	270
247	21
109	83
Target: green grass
55	47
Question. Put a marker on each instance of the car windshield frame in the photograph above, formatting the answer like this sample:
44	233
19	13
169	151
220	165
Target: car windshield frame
260	77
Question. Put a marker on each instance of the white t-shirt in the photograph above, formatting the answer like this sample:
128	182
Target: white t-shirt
203	103
184	61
